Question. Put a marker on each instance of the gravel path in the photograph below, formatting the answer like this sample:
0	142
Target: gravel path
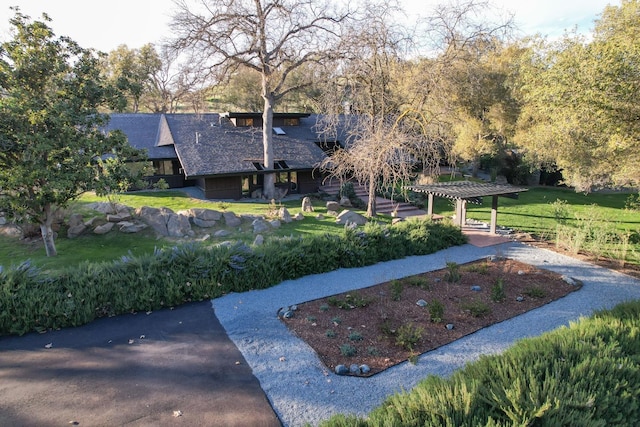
301	390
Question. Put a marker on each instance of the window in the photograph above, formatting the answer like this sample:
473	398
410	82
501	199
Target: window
244	122
291	122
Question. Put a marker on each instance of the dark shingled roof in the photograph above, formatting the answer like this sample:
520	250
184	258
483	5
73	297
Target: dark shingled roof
145	131
208	144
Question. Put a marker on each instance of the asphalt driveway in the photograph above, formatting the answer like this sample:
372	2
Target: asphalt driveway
171	367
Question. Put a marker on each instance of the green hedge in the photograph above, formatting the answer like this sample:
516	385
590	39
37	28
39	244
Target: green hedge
585	375
33	301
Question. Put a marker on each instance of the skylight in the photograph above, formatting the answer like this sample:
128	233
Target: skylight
279	131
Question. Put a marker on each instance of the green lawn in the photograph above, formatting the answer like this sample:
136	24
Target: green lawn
533	212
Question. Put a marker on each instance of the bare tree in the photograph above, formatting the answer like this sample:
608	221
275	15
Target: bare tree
383	141
272	37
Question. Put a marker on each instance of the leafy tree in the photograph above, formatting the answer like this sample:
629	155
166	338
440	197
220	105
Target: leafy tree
271	37
52	147
581	102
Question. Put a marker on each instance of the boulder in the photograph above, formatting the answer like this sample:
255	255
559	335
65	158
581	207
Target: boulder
306	204
348	216
131	227
345	202
203	223
76	230
333	206
259	240
260	226
157	218
119	217
298	216
275	223
284	215
104	228
222	233
231	219
75	220
178	226
204	214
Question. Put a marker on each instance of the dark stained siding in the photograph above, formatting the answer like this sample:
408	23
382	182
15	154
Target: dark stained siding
226	187
308	182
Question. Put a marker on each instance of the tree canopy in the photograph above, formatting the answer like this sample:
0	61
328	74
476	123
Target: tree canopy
52	147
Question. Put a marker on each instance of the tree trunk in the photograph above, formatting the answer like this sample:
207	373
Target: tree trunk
371	205
47	232
269	186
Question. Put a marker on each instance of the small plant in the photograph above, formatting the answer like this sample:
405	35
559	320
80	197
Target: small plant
355	336
453	272
387	329
372	351
413	357
324	307
223	206
560	211
161	184
348	350
408	336
311	318
535	292
476	308
396	290
420	282
497	291
480	268
436	311
633	202
350	301
330	333
336	320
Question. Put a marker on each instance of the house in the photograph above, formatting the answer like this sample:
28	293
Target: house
222	154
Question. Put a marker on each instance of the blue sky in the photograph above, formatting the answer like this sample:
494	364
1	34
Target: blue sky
105	25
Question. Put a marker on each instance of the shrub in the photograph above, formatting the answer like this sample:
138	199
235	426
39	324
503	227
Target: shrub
408	336
583	375
34	300
453	272
396	290
535	292
476	308
348	350
497	291
355	336
436	311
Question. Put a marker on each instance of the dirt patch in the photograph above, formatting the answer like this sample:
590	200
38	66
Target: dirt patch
389	323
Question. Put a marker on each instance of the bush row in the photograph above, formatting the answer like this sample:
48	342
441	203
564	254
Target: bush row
585	375
31	300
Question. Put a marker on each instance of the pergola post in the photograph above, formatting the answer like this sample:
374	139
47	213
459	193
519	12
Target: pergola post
494	214
459	212
430	205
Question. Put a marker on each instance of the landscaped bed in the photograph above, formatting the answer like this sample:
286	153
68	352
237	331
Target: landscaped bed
372	329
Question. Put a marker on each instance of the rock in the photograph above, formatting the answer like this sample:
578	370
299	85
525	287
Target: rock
306	205
333	206
350	216
119	217
231	219
449	326
203	223
365	369
332	213
104	228
345	202
394	221
354	369
569	280
520	273
75	220
205	214
476	288
131	227
3	219
259	240
298	217
284	215
341	370
260	226
222	233
178	226
319	217
76	230
519	298
421	303
275	223
157	218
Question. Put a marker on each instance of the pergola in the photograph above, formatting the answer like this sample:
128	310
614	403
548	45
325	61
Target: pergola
468	191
